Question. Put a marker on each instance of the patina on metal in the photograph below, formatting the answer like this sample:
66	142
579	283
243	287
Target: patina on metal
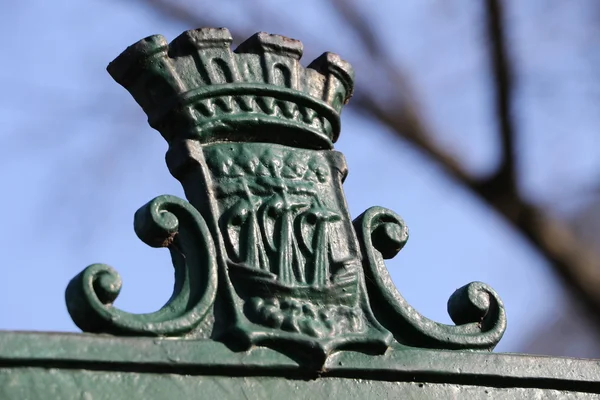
265	252
278	294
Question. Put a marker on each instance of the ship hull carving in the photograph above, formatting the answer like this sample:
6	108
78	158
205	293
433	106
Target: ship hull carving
287	244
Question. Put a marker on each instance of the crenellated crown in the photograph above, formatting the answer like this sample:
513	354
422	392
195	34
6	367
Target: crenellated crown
197	88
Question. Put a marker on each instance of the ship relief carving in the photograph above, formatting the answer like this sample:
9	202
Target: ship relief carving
277	226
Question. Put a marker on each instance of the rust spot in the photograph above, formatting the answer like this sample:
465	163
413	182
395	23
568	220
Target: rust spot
166	242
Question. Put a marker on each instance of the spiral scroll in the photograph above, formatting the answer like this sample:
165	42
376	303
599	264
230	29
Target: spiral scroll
475	308
166	221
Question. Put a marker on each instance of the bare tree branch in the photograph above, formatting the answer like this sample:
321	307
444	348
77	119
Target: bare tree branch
409	126
573	262
504	88
501	187
178	12
578	266
361	25
402	116
175	11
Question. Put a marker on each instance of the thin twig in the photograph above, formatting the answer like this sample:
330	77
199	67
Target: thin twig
501	187
571	260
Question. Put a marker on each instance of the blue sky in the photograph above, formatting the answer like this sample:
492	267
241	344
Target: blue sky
77	159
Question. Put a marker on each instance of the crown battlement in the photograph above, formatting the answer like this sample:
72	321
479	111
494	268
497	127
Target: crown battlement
197	88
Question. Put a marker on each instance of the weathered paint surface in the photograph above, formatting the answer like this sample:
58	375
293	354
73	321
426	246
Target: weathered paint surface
101	366
37	383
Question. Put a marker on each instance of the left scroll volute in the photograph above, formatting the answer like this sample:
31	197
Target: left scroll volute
166	221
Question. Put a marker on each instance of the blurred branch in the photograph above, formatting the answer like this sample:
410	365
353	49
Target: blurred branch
407	124
183	13
402	116
502	76
574	262
176	12
578	266
501	187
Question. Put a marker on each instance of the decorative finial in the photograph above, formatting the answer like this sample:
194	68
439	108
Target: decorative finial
265	252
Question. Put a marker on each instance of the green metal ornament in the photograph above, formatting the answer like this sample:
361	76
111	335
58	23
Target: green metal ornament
265	252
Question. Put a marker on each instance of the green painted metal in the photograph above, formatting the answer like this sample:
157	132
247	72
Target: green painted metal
278	293
63	366
265	252
86	385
